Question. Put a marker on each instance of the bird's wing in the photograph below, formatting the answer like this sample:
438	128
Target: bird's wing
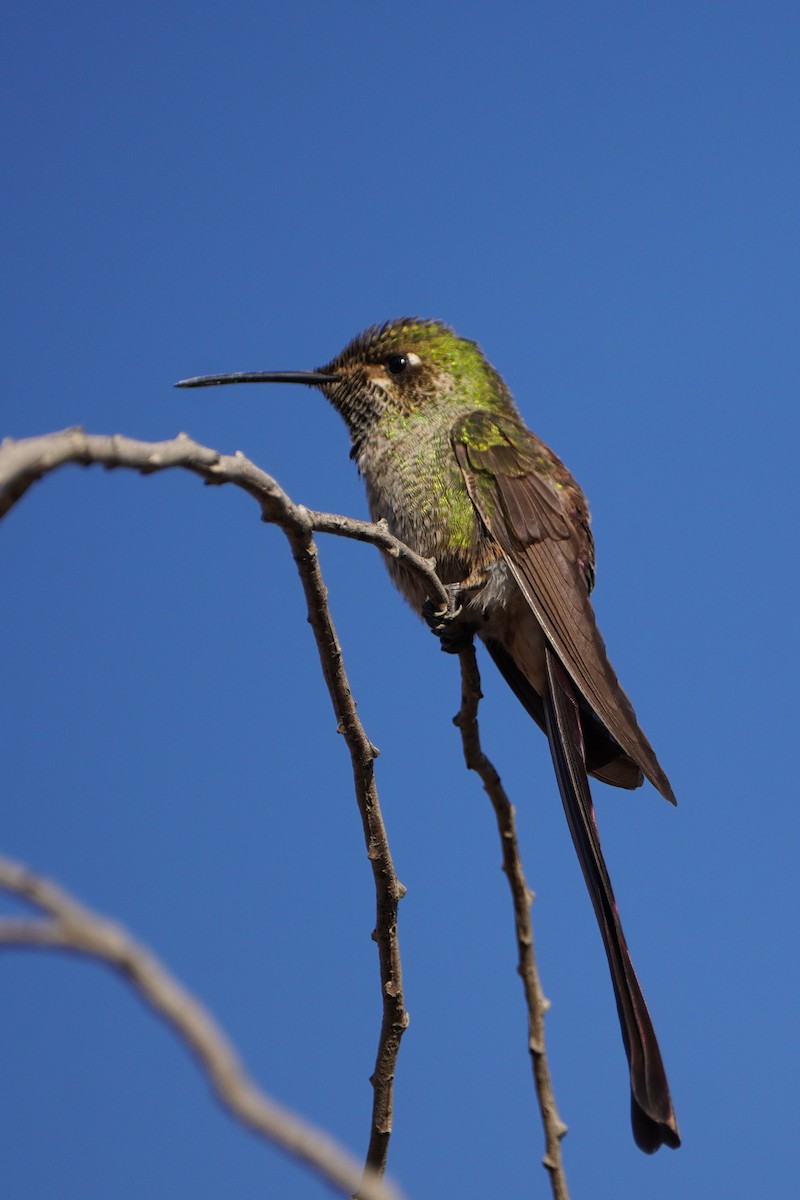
534	510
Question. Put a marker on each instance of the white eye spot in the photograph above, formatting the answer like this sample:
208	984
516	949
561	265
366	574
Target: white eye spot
401	364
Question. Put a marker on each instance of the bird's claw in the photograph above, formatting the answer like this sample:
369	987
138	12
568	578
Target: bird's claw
440	622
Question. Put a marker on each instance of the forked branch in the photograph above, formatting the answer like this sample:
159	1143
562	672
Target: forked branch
22	463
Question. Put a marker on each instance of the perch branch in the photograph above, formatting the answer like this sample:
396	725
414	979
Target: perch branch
522	898
72	927
24	462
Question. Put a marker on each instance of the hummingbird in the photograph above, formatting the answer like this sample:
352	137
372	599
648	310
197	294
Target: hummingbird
451	467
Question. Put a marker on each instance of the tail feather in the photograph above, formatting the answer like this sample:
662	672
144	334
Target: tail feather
604	758
652	1115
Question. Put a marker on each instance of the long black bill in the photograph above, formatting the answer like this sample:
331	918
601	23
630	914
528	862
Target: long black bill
312	378
652	1115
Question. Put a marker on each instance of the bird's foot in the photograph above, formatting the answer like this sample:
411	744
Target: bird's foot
453	638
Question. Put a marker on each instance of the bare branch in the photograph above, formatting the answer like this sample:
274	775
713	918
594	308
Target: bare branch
72	927
388	889
22	463
522	897
377	534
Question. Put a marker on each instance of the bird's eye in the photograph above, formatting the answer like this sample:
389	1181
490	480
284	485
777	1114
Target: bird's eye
396	364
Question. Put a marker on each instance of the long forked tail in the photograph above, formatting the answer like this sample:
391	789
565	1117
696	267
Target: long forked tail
652	1115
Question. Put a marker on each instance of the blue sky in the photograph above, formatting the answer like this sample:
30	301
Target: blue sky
606	198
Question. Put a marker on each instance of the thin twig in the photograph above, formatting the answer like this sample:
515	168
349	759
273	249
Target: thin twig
24	462
522	897
377	534
72	927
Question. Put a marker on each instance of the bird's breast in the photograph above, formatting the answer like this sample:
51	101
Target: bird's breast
415	484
